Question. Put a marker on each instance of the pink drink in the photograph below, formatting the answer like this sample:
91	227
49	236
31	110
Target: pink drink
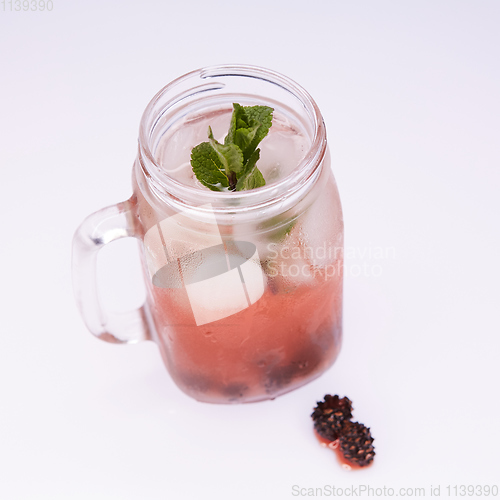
292	333
286	338
244	288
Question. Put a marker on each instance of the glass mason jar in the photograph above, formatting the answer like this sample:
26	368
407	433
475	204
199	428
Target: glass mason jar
244	288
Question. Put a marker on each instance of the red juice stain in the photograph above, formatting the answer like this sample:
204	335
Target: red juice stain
335	447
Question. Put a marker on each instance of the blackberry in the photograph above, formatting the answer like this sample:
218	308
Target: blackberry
330	415
356	443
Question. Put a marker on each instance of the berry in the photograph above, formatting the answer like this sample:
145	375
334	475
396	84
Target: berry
356	443
330	415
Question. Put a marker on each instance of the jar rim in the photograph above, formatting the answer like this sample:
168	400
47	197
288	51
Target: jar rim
302	176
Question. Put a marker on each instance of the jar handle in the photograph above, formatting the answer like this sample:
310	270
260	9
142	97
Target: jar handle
102	227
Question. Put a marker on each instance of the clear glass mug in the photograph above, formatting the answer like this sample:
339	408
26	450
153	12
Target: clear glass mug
243	289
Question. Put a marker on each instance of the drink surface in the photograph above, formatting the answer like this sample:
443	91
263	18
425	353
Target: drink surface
280	151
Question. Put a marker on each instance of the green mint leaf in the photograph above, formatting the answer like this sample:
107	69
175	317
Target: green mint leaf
261	116
251	177
207	167
230	155
238	120
244	137
254	180
236	159
249	125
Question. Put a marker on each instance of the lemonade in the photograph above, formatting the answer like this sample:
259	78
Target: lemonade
281	151
241	246
292	332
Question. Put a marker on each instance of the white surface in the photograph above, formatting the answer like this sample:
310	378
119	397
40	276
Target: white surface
410	96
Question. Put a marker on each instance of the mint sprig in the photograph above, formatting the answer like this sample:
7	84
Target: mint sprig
233	165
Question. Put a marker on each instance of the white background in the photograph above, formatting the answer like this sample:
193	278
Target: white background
410	95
